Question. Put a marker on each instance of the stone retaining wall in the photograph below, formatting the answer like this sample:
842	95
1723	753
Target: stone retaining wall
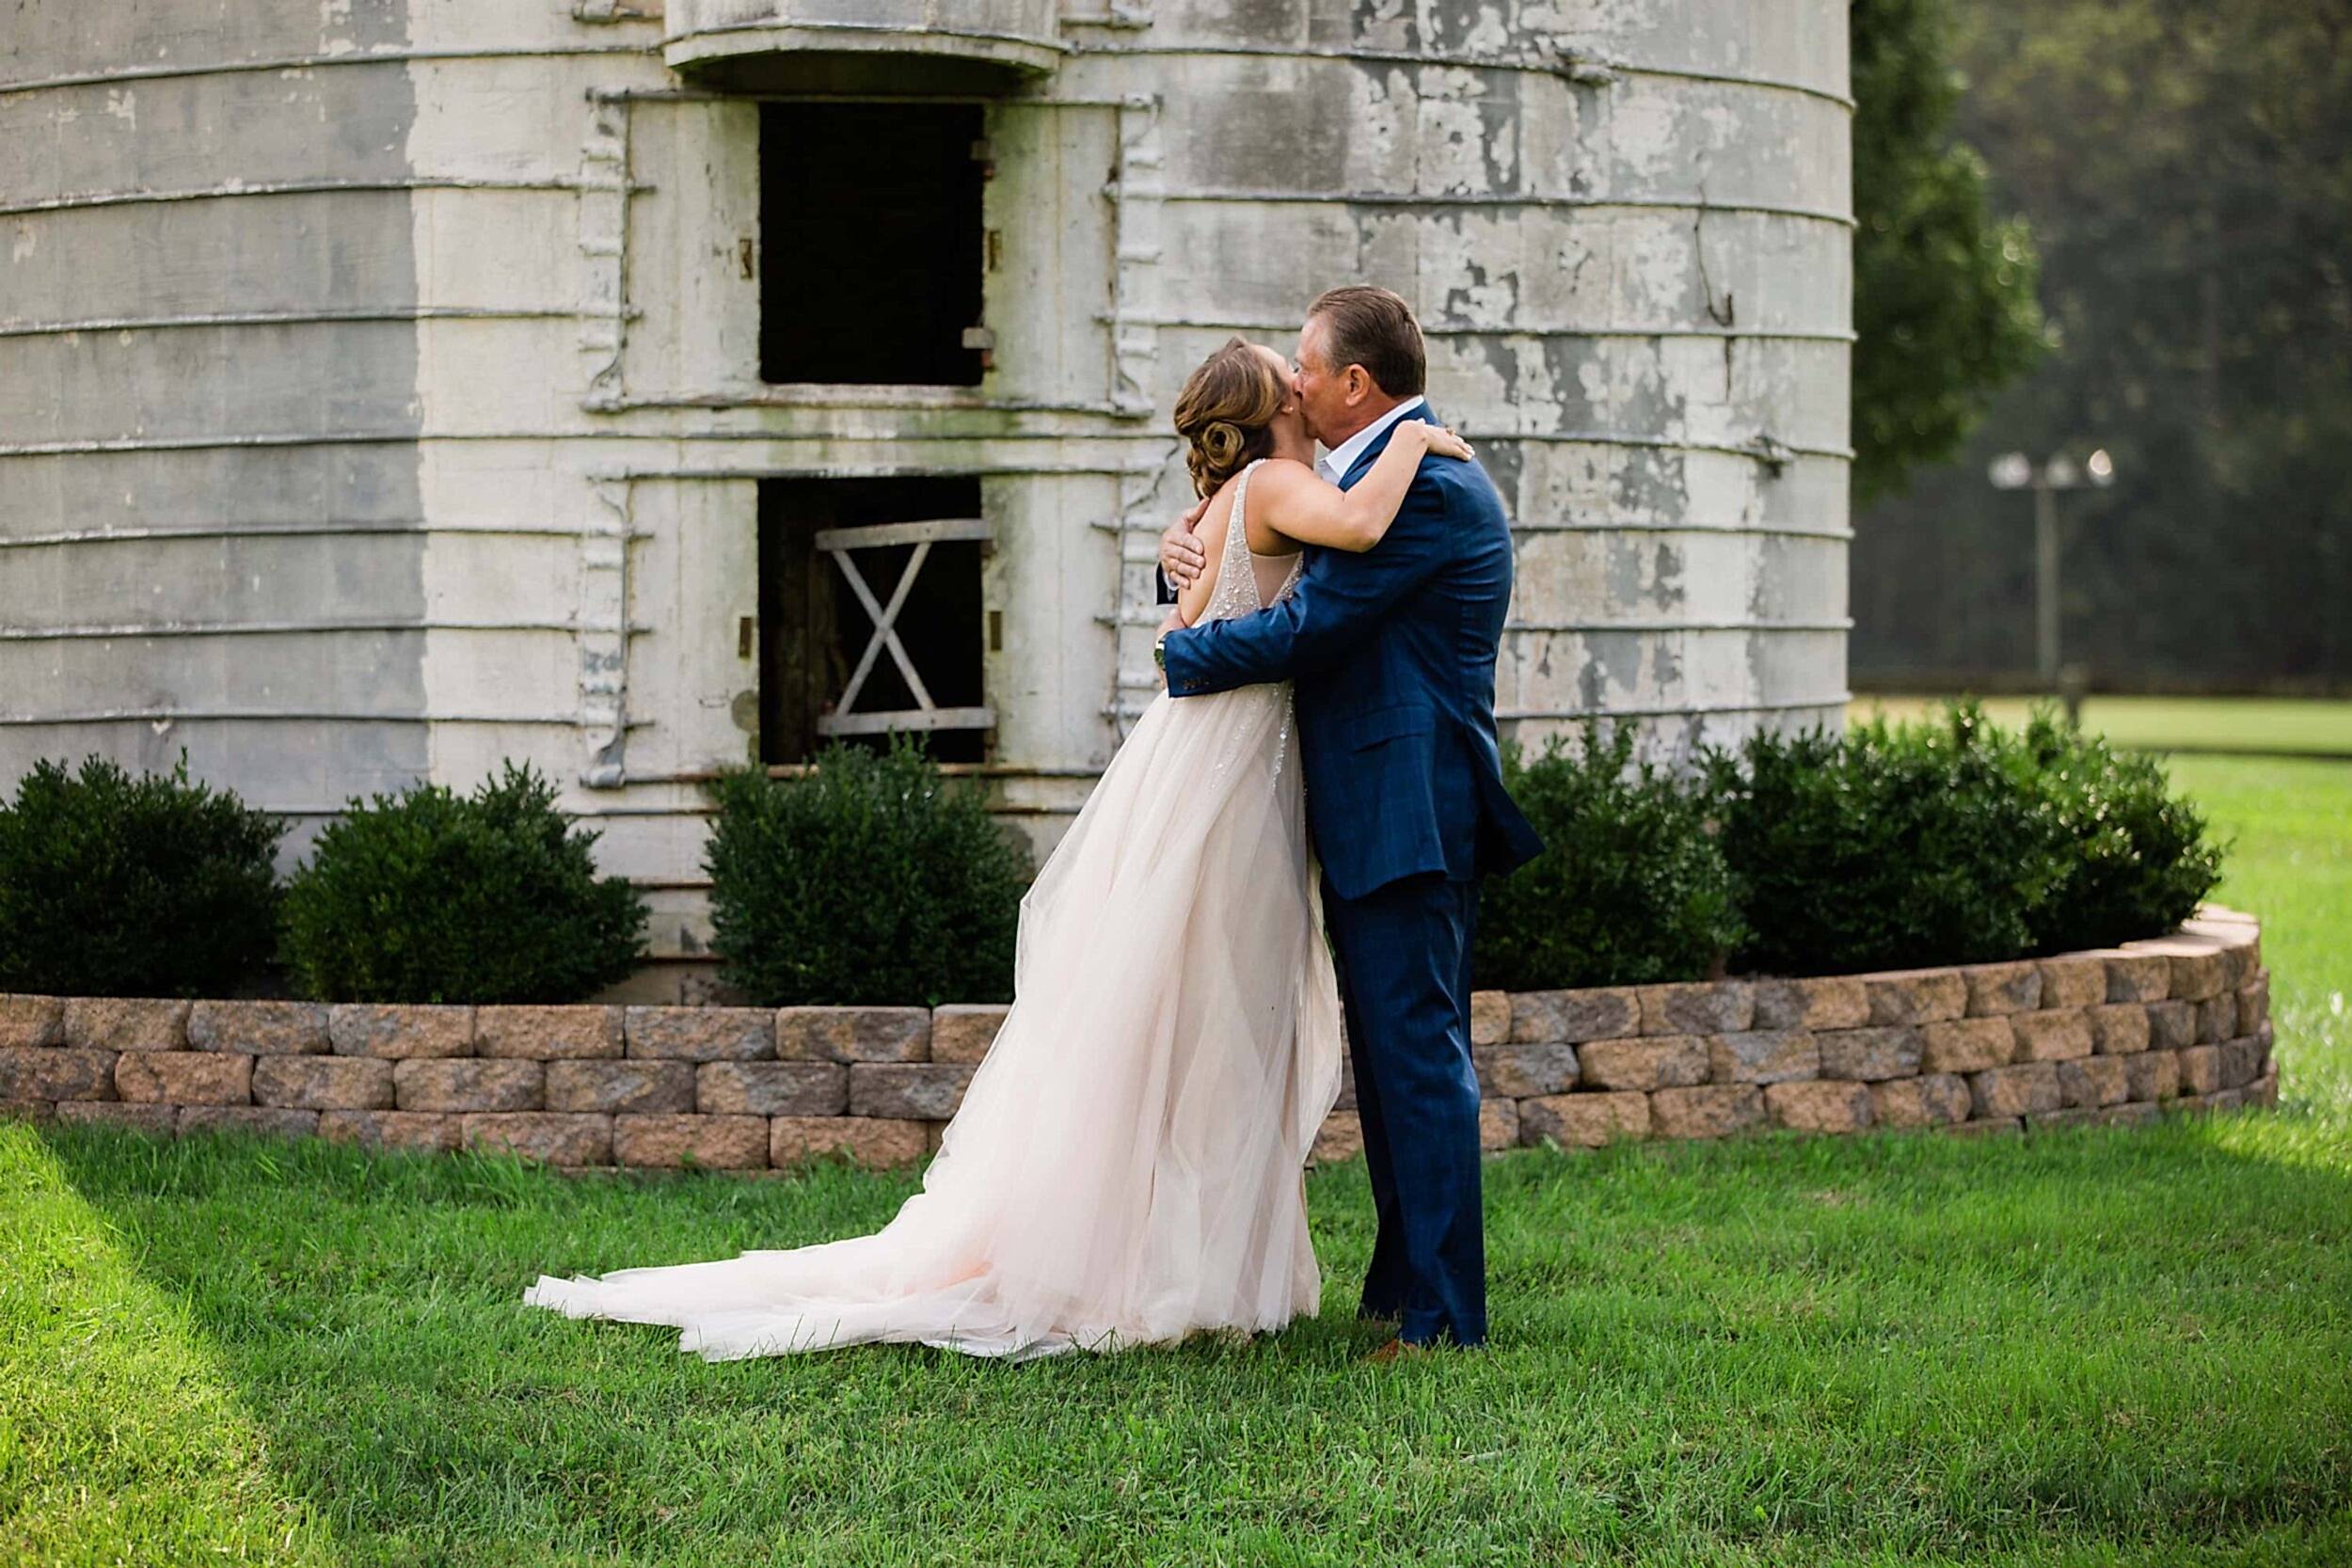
2180	1022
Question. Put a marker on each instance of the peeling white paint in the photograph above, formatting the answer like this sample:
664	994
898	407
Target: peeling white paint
1146	202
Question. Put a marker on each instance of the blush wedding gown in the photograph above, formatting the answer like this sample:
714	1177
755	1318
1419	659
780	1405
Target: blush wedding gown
1126	1166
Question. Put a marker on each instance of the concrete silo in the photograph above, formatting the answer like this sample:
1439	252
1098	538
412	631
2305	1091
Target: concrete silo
389	387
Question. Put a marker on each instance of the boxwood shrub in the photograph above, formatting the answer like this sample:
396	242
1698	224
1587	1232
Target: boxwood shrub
870	879
432	896
1631	886
2132	859
1948	840
117	886
1898	845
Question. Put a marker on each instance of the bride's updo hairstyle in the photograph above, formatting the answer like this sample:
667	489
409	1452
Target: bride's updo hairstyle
1226	411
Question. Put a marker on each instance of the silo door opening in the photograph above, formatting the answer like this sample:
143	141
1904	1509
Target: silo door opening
870	615
871	250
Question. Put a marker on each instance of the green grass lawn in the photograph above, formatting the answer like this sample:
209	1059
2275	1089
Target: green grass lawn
2288	825
2101	1346
2268	724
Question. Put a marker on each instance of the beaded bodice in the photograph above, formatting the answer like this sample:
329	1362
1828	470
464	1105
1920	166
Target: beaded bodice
1238	591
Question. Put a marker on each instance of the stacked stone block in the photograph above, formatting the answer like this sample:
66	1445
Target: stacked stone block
2120	1035
2124	1034
740	1089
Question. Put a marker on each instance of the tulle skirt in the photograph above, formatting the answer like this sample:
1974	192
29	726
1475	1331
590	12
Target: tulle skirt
1126	1166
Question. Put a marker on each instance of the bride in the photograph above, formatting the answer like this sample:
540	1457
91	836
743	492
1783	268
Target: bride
1126	1164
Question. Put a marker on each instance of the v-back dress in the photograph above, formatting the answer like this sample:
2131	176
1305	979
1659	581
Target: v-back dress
1126	1164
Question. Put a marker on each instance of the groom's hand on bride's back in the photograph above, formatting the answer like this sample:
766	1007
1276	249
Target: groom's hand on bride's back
1182	559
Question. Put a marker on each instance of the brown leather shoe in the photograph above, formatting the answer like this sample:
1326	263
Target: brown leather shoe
1395	1350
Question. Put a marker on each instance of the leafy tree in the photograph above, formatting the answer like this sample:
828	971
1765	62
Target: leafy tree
2187	171
1945	311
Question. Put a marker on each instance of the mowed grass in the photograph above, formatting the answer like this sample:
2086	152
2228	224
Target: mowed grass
2285	725
2288	826
2095	1347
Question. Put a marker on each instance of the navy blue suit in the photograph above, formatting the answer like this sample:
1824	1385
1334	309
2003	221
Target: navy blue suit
1392	653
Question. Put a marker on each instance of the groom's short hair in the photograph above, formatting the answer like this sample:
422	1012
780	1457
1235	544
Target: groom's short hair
1373	327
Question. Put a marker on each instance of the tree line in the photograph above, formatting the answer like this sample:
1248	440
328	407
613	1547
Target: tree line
2105	224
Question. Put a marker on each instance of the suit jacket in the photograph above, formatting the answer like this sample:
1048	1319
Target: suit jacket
1393	652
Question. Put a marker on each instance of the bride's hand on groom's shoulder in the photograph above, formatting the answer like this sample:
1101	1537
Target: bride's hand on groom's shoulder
1441	439
1180	555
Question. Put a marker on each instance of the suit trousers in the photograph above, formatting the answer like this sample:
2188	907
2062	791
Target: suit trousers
1402	955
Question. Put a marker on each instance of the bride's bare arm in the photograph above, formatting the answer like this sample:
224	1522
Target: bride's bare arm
1303	505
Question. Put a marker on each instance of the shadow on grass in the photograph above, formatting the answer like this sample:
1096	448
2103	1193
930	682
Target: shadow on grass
1887	1348
123	1436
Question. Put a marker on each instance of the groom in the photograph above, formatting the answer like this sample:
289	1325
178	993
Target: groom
1392	656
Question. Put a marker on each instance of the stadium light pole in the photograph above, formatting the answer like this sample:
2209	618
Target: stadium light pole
2014	471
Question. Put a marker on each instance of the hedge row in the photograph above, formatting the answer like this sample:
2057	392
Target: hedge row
1942	841
869	880
874	880
157	886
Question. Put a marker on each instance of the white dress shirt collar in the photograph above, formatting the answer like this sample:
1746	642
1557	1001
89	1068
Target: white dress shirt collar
1334	466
